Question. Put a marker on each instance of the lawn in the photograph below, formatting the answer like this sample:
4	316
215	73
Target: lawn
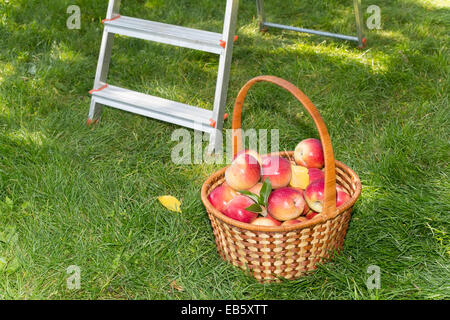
87	196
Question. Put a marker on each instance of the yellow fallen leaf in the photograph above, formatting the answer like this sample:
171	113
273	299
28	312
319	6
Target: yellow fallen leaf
171	203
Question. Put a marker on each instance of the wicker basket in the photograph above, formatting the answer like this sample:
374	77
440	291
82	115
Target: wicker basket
272	253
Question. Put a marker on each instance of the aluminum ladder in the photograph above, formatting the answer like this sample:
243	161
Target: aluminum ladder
263	25
181	114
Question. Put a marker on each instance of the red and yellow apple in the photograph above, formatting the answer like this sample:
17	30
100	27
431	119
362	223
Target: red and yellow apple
315	174
235	209
277	169
314	195
266	221
341	196
293	221
309	153
256	189
243	173
306	209
311	215
285	204
302	176
221	195
252	153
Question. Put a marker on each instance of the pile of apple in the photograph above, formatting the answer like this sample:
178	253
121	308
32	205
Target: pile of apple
272	190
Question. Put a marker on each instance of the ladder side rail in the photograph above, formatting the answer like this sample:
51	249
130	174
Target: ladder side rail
359	23
113	9
261	15
223	75
104	60
106	46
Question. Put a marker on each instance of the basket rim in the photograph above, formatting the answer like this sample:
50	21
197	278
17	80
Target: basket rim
318	219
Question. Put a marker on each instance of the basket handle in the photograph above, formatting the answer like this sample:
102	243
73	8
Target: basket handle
329	206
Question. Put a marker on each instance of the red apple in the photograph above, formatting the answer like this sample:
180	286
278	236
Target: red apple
293	221
309	153
221	195
302	176
266	221
235	209
315	191
277	169
306	209
314	195
252	153
311	215
341	196
243	173
256	188
315	174
285	204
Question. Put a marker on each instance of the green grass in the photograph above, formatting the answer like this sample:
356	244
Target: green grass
86	196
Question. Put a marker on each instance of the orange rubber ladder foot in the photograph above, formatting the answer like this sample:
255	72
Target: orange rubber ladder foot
212	123
364	43
223	44
90	122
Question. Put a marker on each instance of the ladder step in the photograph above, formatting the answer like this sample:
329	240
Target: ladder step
155	107
166	33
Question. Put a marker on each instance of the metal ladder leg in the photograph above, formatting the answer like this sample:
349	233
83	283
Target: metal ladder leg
223	75
261	15
103	61
359	24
